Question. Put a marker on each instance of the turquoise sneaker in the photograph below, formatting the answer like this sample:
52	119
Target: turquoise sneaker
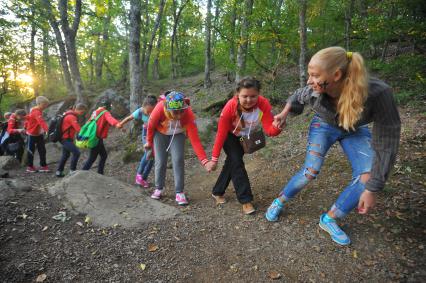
274	210
329	225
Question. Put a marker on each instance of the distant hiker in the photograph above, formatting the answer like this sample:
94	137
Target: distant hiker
244	115
147	161
103	123
12	141
70	127
345	100
36	128
169	120
3	131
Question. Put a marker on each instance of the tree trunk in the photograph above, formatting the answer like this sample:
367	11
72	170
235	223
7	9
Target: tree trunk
32	52
61	46
207	47
231	73
156	63
69	35
157	23
303	48
145	30
214	32
243	43
134	54
91	67
101	44
46	60
348	24
177	11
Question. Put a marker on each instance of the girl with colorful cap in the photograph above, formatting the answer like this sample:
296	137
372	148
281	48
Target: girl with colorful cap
167	125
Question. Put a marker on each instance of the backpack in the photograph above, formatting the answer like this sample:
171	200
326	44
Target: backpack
87	138
55	133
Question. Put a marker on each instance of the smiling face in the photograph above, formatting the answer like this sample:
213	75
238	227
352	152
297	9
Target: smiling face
322	81
248	97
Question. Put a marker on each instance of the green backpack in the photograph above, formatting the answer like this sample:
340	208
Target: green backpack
87	138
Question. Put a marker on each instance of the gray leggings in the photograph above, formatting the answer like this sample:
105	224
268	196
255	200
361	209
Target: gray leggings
161	142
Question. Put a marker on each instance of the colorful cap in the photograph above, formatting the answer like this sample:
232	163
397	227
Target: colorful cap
175	101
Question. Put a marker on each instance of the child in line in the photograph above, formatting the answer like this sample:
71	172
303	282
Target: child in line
243	114
15	129
169	120
3	131
70	127
146	162
103	124
36	127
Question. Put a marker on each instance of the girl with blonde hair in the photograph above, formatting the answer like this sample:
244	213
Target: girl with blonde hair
345	101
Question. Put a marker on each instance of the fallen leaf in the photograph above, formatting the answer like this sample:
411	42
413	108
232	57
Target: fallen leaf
44	228
24	216
41	277
274	275
152	247
355	254
142	266
87	220
79	224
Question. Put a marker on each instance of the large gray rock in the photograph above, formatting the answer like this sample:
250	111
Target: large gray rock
8	163
53	154
120	105
107	201
10	187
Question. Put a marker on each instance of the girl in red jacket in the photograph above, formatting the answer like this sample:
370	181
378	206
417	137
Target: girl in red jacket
252	108
168	122
103	124
15	130
36	128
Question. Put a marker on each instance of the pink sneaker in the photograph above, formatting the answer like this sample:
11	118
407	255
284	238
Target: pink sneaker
138	179
181	199
31	169
157	194
44	169
144	184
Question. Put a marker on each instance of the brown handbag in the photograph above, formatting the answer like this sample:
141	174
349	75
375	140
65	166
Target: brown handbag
254	140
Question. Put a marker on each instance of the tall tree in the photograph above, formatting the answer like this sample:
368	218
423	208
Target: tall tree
177	12
303	44
348	23
61	47
151	41
244	40
207	46
156	63
32	49
70	33
134	53
102	40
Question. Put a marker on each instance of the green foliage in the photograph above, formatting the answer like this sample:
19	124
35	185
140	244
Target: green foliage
406	74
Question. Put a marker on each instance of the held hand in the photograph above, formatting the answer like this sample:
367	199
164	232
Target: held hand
279	121
367	201
119	125
210	166
147	146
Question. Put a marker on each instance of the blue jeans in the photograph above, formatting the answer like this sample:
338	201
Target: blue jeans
145	165
356	146
69	147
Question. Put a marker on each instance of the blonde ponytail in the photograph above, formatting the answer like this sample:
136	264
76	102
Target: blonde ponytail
355	83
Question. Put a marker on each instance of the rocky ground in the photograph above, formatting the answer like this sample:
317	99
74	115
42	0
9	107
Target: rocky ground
209	243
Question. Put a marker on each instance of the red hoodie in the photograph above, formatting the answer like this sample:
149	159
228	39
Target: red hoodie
103	122
70	125
229	122
13	125
35	124
161	121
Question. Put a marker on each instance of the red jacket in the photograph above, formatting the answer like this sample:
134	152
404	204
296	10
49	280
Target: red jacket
103	122
229	118
35	124
159	121
70	125
13	125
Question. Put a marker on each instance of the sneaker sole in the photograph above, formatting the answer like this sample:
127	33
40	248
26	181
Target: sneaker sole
249	212
28	171
182	203
326	230
270	219
218	202
154	197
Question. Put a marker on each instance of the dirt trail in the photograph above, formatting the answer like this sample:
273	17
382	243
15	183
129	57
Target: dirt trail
209	243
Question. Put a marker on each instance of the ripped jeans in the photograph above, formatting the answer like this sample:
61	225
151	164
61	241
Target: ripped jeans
357	148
